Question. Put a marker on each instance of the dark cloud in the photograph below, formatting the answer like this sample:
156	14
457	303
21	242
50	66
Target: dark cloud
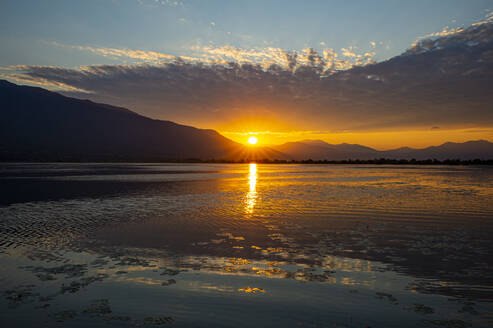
446	83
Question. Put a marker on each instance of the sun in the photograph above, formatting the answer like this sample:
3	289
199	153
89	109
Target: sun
252	140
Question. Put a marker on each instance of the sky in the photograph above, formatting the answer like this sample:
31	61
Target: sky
188	61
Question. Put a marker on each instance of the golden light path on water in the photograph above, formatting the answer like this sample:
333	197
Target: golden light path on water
251	197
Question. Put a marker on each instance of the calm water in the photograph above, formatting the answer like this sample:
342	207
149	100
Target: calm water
245	245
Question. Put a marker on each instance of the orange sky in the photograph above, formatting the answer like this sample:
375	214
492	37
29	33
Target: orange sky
378	140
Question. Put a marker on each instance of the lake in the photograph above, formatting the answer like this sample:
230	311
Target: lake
243	245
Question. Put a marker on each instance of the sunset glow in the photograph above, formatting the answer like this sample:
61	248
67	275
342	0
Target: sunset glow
377	139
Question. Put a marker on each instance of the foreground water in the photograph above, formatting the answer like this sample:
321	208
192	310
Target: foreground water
245	245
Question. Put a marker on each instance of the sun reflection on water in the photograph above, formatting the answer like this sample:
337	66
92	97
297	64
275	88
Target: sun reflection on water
251	197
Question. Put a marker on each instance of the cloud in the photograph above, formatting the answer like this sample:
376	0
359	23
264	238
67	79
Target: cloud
348	52
488	18
358	59
155	3
326	62
212	95
42	82
477	34
446	31
119	53
305	89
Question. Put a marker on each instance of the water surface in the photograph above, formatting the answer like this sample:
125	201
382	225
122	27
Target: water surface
246	245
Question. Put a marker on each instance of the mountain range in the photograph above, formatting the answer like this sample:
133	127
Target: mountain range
320	150
41	125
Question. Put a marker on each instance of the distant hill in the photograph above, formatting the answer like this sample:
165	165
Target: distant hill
41	125
320	150
480	149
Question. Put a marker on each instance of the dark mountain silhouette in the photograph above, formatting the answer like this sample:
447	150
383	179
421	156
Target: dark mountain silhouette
38	124
305	150
479	149
320	150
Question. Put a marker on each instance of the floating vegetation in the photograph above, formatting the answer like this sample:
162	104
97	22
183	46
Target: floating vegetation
312	274
454	323
120	318
99	307
64	315
389	297
20	295
45	276
421	308
45	298
99	262
229	268
250	290
468	308
239	261
75	285
43	306
268	272
69	270
158	320
168	282
130	261
225	234
170	272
